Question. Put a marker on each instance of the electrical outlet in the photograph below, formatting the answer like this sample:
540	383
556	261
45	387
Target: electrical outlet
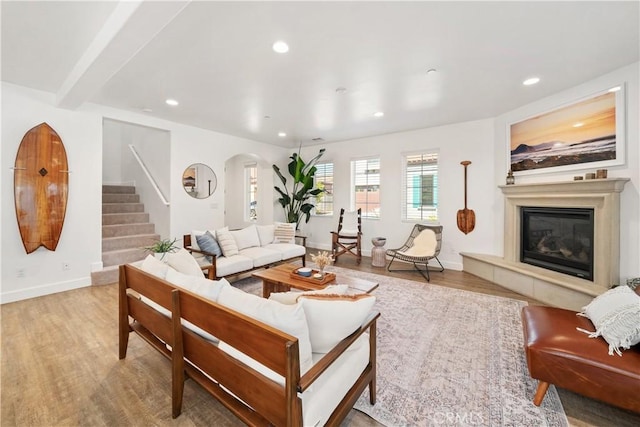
66	266
20	272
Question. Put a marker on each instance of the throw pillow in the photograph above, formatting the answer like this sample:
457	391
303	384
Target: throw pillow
208	243
266	234
616	316
291	297
183	262
284	232
153	265
247	237
288	318
331	318
227	242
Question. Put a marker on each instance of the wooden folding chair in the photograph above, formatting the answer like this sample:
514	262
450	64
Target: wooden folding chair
348	238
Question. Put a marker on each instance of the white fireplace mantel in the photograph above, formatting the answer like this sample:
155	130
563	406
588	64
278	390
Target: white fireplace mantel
601	195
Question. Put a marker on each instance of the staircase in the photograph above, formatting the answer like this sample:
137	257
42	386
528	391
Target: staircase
125	231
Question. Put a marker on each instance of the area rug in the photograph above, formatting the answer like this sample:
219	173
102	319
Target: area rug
449	357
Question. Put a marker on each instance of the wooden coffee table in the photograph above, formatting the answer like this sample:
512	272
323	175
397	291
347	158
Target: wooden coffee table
278	279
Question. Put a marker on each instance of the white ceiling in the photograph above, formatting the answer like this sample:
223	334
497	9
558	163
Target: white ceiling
215	58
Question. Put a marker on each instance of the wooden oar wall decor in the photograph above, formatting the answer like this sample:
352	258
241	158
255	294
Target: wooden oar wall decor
466	217
41	186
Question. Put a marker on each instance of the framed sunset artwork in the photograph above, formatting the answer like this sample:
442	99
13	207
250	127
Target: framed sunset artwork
586	134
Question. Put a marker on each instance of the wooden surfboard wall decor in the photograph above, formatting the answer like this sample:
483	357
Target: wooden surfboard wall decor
41	186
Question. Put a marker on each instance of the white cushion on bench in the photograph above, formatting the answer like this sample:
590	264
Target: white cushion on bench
261	256
288	250
320	400
233	264
287	318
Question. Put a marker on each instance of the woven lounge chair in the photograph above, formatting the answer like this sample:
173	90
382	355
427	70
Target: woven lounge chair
423	244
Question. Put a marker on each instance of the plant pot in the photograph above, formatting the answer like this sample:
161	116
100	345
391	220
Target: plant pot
162	256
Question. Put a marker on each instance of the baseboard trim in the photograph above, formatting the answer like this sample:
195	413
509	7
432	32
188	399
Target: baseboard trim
38	291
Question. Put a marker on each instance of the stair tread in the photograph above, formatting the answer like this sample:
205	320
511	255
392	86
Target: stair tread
130	236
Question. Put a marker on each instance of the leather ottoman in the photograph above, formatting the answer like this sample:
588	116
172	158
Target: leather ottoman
559	354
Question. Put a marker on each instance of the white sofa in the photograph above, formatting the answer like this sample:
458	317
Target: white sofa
250	248
299	364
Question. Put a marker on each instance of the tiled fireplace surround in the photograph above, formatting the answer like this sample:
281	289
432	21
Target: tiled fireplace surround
550	287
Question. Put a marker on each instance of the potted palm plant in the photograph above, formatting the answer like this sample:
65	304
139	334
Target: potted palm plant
296	199
160	248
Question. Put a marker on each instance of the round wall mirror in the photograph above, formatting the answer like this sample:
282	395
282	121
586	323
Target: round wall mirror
199	181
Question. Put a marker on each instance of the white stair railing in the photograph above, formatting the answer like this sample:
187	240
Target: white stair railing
148	174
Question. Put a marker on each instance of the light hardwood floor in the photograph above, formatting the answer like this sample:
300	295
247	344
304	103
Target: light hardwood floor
60	366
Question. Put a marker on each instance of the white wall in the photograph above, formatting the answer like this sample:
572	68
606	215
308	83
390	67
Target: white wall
458	142
80	241
630	197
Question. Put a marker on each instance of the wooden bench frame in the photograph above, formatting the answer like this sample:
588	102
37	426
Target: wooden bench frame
210	269
258	400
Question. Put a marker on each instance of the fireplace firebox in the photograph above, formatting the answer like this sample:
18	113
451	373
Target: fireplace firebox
558	239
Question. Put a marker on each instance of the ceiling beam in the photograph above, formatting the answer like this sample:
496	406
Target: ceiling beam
128	29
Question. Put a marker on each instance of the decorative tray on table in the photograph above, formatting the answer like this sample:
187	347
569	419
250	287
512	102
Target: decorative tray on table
328	277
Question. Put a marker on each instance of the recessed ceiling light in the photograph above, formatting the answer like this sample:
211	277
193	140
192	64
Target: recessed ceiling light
282	134
431	70
341	90
280	47
531	81
615	89
378	114
172	102
577	125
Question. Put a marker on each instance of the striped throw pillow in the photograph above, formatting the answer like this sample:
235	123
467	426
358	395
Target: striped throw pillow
227	242
284	232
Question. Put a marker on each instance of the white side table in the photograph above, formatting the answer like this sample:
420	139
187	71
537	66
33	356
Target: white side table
378	252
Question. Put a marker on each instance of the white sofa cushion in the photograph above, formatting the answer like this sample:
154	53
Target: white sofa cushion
284	232
287	250
227	242
321	399
231	265
261	256
209	289
153	265
288	318
265	233
184	262
247	237
331	318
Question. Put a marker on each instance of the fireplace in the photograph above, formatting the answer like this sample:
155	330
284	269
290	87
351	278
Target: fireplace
558	239
595	201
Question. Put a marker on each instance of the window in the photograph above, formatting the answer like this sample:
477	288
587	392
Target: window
324	180
251	192
365	182
420	195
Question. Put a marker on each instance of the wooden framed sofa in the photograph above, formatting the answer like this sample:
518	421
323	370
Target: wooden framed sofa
233	252
260	372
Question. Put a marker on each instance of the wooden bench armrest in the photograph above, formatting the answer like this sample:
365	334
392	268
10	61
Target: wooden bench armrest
316	370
